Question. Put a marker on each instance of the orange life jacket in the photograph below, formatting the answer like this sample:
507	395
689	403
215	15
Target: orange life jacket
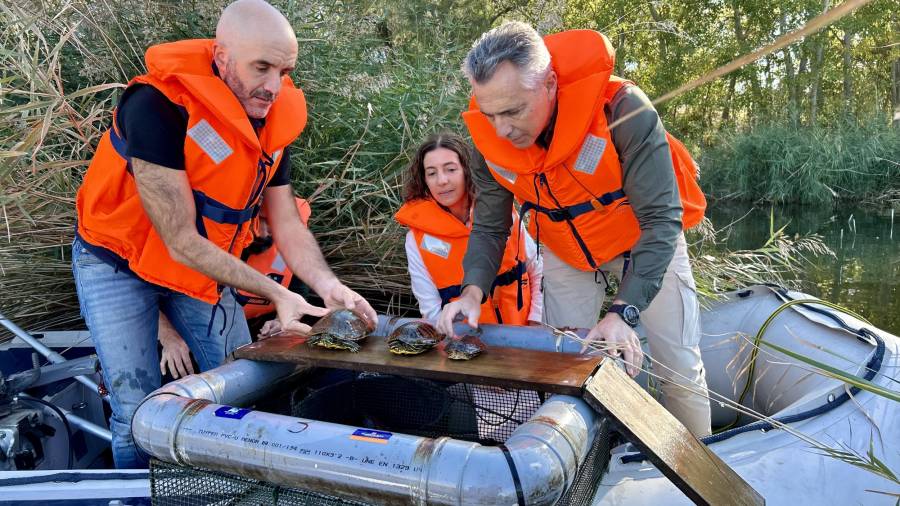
575	186
263	256
227	163
442	241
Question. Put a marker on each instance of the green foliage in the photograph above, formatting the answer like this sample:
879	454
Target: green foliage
811	166
379	76
661	45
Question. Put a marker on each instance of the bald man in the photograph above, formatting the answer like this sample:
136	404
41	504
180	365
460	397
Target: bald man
198	146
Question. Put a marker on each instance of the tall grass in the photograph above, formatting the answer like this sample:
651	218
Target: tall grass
783	164
47	134
374	86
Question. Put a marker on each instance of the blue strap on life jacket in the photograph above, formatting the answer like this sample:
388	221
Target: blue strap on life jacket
206	206
218	212
512	275
449	293
571	212
121	147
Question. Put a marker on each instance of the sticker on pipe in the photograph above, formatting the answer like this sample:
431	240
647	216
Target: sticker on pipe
231	412
371	436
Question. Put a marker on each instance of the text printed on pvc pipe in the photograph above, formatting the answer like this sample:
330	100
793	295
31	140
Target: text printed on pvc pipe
361	460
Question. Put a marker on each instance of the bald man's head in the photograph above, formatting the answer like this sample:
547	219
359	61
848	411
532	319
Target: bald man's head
255	46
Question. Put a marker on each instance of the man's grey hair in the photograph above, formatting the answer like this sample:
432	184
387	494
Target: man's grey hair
514	42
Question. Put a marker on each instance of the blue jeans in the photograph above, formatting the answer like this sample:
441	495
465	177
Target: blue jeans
122	313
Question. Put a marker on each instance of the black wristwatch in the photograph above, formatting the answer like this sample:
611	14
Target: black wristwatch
630	314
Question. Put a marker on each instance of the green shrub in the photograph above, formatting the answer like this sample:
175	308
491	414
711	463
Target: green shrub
778	163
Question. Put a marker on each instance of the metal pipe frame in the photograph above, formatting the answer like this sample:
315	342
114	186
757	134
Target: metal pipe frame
81	423
193	422
49	354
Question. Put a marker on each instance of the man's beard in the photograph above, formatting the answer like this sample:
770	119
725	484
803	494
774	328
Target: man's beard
244	97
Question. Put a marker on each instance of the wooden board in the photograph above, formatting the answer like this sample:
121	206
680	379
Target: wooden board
561	373
688	463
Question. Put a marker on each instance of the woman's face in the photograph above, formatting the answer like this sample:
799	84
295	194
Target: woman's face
445	177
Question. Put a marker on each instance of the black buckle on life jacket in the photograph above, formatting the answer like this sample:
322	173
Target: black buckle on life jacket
568	213
513	275
509	277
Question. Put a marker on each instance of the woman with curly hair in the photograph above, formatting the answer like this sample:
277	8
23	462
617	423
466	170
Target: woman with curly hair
438	196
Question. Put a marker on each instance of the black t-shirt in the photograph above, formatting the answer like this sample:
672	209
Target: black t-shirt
155	129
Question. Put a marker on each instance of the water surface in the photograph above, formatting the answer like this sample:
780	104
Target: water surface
864	274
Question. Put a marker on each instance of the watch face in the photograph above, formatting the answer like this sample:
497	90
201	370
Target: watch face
631	314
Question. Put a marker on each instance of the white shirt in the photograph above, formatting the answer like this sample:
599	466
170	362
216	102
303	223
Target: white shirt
429	298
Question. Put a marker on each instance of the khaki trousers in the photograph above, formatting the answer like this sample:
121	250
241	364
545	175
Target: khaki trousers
671	325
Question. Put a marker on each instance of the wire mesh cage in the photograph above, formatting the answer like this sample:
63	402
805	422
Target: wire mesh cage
173	485
420	407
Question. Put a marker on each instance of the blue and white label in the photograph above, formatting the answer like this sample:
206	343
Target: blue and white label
232	412
371	435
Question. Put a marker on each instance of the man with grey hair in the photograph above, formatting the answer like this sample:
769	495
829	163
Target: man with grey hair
198	146
606	201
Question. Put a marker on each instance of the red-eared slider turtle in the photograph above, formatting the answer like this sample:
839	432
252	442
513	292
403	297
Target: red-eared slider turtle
464	348
413	338
339	330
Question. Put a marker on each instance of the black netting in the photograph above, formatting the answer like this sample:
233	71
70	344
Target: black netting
420	407
181	486
408	405
582	491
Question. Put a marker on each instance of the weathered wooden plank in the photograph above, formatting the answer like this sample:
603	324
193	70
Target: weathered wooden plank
688	463
562	373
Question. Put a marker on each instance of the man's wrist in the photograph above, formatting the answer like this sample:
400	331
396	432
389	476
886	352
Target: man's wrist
628	313
276	293
473	292
324	284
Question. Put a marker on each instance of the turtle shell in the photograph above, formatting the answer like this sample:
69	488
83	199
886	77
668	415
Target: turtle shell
464	348
341	324
341	329
413	338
